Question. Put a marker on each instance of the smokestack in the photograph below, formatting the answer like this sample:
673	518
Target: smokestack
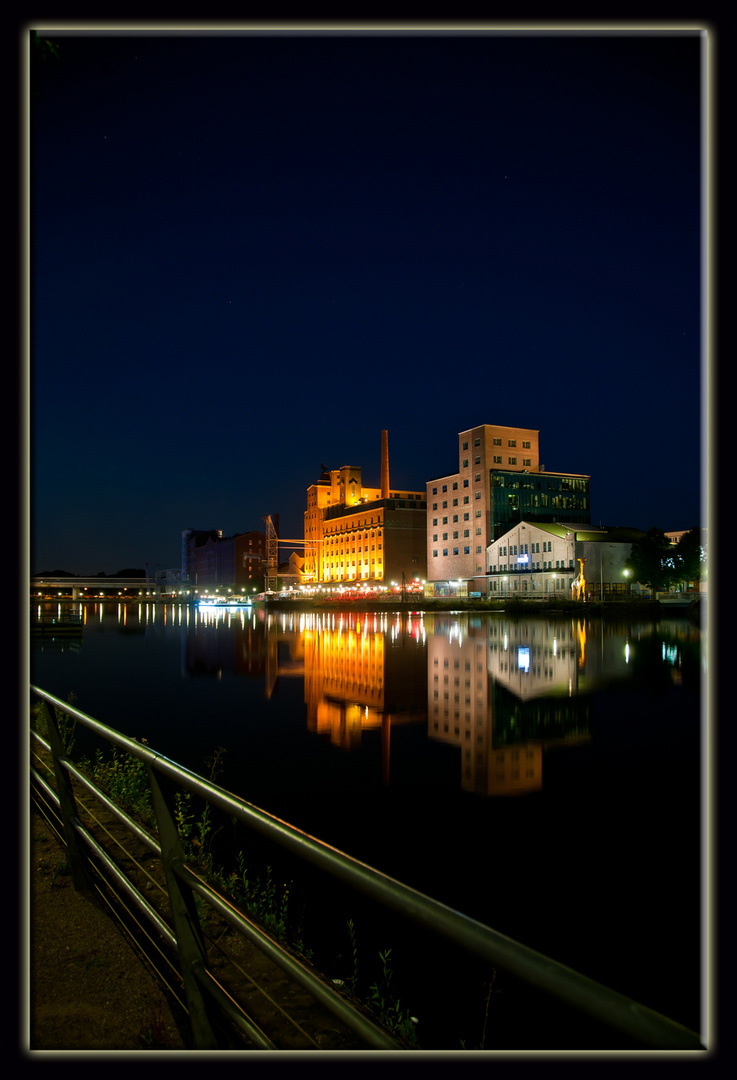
385	464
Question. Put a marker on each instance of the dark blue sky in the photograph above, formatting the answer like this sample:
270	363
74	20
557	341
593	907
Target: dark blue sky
251	254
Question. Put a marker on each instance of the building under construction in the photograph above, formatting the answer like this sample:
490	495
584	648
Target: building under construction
364	536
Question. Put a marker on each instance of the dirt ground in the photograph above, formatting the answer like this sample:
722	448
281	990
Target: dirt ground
87	989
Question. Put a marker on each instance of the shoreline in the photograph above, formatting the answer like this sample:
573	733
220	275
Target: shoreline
445	605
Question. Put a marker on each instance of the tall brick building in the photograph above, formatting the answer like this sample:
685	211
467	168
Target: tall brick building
498	483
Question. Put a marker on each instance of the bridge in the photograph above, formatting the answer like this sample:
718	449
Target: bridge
93	586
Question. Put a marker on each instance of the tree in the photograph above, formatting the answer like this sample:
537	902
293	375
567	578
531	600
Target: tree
690	555
653	562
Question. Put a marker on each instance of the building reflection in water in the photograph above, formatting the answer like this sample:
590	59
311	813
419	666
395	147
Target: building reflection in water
361	672
503	691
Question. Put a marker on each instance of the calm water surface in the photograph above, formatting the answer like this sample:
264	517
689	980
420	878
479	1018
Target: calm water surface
541	775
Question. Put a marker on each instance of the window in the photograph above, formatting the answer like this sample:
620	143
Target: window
466	550
465	463
477	477
477	461
455	486
511	442
478	494
435	554
477	442
526	461
512	460
525	445
455	551
465	446
497	442
497	460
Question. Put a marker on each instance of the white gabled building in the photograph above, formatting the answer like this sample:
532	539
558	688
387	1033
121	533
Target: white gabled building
542	559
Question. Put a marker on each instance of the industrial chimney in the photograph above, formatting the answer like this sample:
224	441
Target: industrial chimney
385	464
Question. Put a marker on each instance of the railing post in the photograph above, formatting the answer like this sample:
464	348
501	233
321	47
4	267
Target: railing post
191	948
78	858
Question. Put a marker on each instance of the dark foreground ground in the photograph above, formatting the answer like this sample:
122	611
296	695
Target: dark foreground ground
87	989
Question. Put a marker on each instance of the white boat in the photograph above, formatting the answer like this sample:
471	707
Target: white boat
221	601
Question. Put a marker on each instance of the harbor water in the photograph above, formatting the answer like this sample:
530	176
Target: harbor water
540	774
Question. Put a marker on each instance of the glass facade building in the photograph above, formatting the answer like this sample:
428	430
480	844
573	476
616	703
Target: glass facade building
536	496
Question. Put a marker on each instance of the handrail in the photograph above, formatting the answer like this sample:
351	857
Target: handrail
615	1010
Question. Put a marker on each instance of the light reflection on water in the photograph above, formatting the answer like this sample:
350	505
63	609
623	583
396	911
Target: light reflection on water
530	771
501	691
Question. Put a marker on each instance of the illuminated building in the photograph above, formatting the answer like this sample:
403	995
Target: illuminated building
499	482
542	558
360	535
208	558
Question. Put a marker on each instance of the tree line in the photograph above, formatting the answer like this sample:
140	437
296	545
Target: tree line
656	562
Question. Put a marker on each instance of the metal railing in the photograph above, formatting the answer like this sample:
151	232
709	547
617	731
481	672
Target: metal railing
635	1022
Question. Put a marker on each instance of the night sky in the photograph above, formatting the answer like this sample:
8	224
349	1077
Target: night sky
252	253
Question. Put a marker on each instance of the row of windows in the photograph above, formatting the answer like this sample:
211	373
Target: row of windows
547	565
466	551
466	517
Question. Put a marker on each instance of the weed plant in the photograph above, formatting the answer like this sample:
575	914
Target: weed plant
387	1006
125	779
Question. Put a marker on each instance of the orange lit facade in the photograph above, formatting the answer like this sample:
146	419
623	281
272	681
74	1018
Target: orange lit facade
354	536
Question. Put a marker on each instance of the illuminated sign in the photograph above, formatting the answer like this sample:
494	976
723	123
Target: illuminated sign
523	659
523	558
